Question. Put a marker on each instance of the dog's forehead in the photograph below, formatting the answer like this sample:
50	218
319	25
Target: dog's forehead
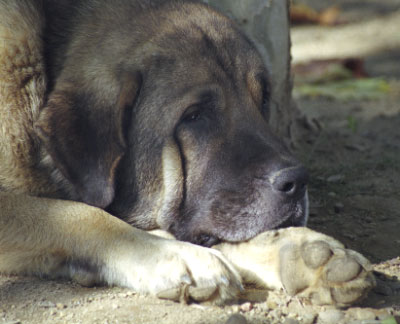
194	30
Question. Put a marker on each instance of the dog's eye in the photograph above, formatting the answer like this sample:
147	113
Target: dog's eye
192	114
265	105
192	117
266	96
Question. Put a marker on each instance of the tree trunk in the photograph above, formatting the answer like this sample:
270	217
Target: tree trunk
266	22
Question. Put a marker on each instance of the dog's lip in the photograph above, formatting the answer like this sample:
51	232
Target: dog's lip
296	218
207	240
291	221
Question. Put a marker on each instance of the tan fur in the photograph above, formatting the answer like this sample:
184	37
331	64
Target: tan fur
22	91
59	238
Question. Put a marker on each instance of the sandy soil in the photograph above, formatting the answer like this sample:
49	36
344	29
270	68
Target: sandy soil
354	192
354	197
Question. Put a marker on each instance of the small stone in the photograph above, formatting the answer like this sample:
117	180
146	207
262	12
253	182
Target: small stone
123	295
308	318
276	313
291	321
271	304
335	178
246	307
46	304
331	316
382	314
236	319
235	308
115	306
61	306
361	313
332	194
338	207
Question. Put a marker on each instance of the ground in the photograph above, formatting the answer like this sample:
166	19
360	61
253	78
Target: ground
353	154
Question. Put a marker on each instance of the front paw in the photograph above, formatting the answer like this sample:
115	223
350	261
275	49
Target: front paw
317	267
304	263
196	273
175	270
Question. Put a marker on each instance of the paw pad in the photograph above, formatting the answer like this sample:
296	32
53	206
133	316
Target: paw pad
325	273
316	254
342	270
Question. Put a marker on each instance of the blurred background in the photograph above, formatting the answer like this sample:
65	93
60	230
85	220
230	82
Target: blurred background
346	69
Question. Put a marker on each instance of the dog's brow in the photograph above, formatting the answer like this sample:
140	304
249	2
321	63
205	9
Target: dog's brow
197	95
207	97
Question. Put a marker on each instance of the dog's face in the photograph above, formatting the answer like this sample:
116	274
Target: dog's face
173	132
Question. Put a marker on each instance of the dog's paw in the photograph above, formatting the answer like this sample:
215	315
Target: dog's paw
174	270
324	271
305	264
195	273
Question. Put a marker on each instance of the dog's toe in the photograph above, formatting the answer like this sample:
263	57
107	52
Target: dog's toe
325	273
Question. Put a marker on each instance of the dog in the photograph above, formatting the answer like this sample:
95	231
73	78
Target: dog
124	117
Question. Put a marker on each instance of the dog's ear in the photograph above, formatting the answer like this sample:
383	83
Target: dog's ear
85	136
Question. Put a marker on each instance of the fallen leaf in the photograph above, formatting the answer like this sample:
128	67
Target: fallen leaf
303	14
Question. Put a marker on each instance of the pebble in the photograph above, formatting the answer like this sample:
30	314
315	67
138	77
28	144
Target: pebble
332	194
271	304
246	307
330	316
338	207
335	178
308	318
236	319
291	321
361	313
276	313
47	304
61	306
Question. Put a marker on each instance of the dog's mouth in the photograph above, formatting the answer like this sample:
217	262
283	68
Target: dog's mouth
206	240
292	221
209	240
297	217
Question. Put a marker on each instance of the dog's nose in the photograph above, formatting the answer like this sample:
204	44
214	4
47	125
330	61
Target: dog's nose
291	182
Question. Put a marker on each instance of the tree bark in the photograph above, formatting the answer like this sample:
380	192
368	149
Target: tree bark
266	22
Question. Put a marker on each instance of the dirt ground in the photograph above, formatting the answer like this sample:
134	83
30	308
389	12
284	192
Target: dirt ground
354	159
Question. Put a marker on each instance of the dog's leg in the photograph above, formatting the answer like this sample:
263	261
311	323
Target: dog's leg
58	238
304	263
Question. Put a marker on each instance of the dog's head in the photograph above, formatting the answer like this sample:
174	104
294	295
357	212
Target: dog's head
162	119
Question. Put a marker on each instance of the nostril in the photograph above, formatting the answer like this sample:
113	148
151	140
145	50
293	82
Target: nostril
290	181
